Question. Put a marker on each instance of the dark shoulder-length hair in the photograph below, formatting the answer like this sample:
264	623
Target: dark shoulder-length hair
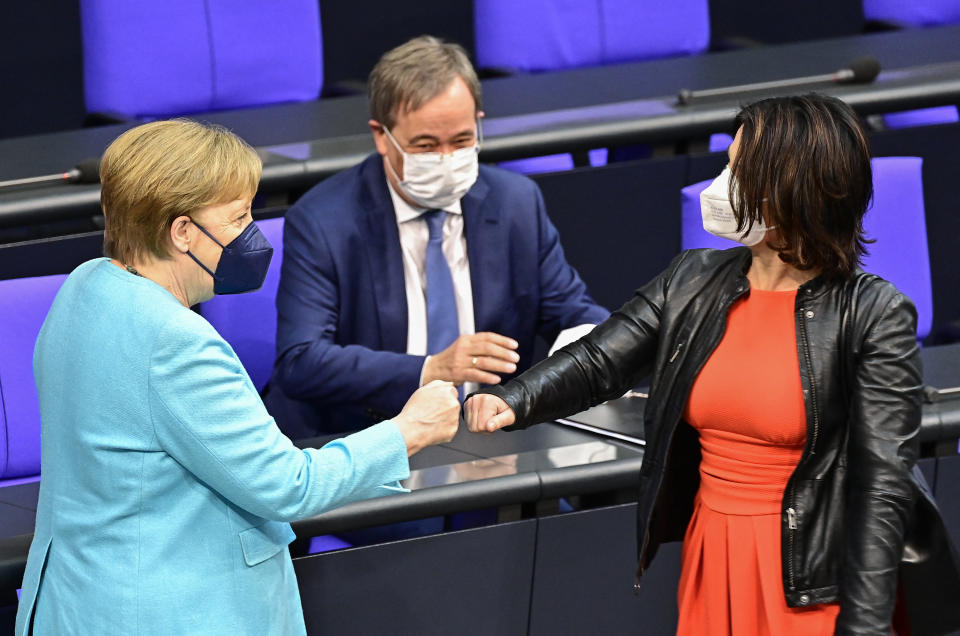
804	162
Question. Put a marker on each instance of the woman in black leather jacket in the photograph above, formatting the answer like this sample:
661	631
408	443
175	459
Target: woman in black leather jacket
799	185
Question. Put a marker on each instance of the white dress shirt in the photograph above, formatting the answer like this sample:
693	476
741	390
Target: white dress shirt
414	235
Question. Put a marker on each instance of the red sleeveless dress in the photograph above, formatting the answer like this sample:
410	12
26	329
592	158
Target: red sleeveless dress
747	407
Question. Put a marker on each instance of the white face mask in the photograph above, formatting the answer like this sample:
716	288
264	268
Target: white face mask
717	213
434	180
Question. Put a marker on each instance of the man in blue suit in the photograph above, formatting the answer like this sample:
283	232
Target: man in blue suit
417	264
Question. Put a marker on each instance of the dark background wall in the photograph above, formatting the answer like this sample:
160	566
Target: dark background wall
779	21
41	74
356	33
41	68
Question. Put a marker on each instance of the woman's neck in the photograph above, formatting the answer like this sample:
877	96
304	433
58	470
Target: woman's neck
767	272
162	272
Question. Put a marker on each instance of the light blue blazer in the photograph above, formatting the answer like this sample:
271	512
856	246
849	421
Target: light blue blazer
166	486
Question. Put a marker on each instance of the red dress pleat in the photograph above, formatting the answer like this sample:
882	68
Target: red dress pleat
747	408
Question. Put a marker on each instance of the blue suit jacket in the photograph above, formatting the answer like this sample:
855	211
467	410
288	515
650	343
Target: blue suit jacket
342	306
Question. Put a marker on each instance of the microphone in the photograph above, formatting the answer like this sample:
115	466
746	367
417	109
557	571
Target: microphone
860	71
87	171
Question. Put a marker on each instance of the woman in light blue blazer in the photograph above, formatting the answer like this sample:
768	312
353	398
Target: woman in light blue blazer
166	486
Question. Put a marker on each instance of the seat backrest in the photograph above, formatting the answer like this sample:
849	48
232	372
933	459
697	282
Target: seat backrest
543	35
912	13
249	321
922	117
895	219
24	303
157	59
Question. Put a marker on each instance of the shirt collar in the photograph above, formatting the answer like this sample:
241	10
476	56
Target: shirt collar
406	212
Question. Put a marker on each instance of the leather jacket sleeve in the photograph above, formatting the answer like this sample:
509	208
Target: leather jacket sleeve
600	366
884	421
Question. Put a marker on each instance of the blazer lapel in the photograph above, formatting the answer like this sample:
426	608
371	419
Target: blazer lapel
486	254
379	223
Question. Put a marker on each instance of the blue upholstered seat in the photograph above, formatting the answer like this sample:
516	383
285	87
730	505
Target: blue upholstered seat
912	13
921	117
24	303
546	35
895	219
249	321
158	59
549	35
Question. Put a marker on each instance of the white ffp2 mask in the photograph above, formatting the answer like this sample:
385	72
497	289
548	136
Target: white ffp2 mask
716	210
434	180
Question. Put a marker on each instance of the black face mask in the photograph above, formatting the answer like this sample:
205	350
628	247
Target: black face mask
244	263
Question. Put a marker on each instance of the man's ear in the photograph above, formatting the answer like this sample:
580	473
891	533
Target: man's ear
379	136
181	233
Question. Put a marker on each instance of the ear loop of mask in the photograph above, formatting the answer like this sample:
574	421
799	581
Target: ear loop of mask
403	153
197	260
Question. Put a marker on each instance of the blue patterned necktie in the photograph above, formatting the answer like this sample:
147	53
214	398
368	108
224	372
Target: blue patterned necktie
442	325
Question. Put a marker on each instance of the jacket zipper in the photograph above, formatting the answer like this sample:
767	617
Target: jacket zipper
675	353
813	387
792	525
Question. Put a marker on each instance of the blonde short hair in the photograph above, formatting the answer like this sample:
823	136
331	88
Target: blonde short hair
154	173
415	72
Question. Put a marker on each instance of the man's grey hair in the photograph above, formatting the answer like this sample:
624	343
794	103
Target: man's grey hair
412	74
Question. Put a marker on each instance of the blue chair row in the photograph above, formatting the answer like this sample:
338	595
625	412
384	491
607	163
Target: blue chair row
248	321
158	59
896	220
151	60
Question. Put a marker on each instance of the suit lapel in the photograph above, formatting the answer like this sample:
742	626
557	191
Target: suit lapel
379	223
486	253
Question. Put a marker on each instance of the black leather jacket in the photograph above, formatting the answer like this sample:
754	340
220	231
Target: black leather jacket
850	500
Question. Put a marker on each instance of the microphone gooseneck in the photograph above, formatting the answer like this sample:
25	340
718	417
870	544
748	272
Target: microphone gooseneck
861	70
87	171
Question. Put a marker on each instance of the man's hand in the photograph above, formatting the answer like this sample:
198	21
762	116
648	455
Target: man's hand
487	413
473	358
431	416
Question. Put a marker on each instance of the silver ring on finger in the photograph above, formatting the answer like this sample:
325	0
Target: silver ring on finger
474	360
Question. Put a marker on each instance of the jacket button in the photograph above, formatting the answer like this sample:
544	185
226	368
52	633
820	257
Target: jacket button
809	314
804	599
